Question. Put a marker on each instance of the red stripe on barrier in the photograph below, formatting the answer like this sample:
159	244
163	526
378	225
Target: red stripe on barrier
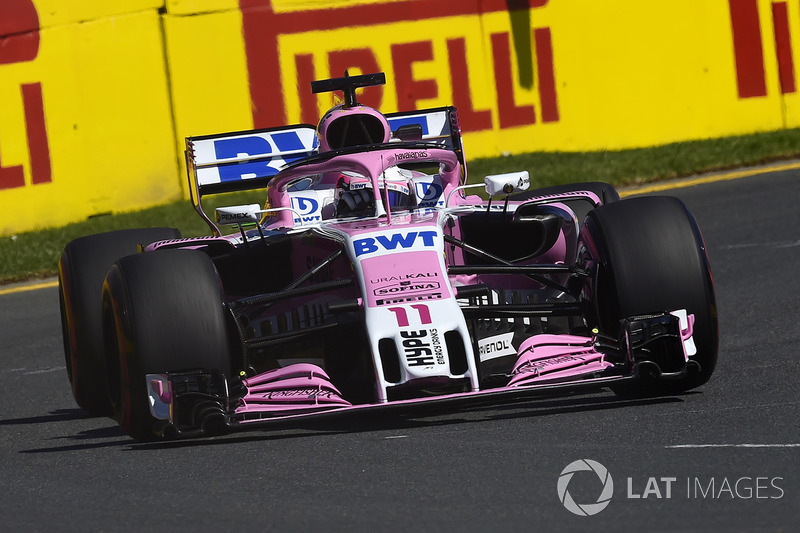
263	66
19	31
36	128
409	89
747	48
11	177
306	73
509	112
370	14
783	47
470	118
546	74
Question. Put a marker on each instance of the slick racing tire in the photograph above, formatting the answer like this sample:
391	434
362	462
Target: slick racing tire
651	258
163	312
81	270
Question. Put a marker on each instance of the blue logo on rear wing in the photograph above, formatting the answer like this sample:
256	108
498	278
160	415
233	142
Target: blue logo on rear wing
231	161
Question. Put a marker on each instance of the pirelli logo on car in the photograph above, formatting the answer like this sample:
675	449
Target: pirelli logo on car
498	73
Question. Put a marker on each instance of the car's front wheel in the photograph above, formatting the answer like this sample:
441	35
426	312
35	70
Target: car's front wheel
163	312
650	257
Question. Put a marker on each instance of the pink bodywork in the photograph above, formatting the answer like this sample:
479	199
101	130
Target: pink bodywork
296	388
553	357
305	388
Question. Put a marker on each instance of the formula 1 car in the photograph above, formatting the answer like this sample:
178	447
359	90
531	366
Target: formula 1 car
372	279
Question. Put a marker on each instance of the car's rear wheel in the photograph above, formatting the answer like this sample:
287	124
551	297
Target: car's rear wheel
82	268
651	258
162	312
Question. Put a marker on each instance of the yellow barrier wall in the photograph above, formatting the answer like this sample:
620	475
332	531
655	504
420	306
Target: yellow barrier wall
97	97
85	121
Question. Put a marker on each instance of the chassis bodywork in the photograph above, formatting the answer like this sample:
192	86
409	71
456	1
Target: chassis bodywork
451	299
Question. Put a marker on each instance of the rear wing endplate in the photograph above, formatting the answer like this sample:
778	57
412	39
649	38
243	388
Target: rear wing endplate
439	126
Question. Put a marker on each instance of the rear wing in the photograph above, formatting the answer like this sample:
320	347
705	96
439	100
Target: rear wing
244	160
248	160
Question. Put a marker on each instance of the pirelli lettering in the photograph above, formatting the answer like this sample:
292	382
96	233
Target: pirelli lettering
517	64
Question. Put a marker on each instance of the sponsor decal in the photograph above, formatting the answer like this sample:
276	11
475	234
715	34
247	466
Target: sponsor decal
438	352
422	347
404	277
310	393
254	145
538	366
393	241
497	346
428	193
307	207
401	156
233	217
233	157
304	205
405	287
405	299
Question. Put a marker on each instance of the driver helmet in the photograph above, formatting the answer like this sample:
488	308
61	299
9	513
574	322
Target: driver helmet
354	195
344	127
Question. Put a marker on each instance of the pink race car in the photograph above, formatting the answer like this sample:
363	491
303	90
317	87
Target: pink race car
373	278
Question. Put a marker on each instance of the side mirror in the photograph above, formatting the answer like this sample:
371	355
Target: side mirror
507	183
238	214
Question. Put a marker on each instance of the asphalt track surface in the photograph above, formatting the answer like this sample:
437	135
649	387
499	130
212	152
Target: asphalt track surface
723	458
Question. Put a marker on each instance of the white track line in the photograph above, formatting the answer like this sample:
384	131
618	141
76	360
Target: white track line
791	445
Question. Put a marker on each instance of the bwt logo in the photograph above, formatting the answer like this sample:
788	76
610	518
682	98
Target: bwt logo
428	193
304	205
307	208
410	239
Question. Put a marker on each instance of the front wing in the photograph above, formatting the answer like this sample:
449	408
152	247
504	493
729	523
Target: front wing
203	403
